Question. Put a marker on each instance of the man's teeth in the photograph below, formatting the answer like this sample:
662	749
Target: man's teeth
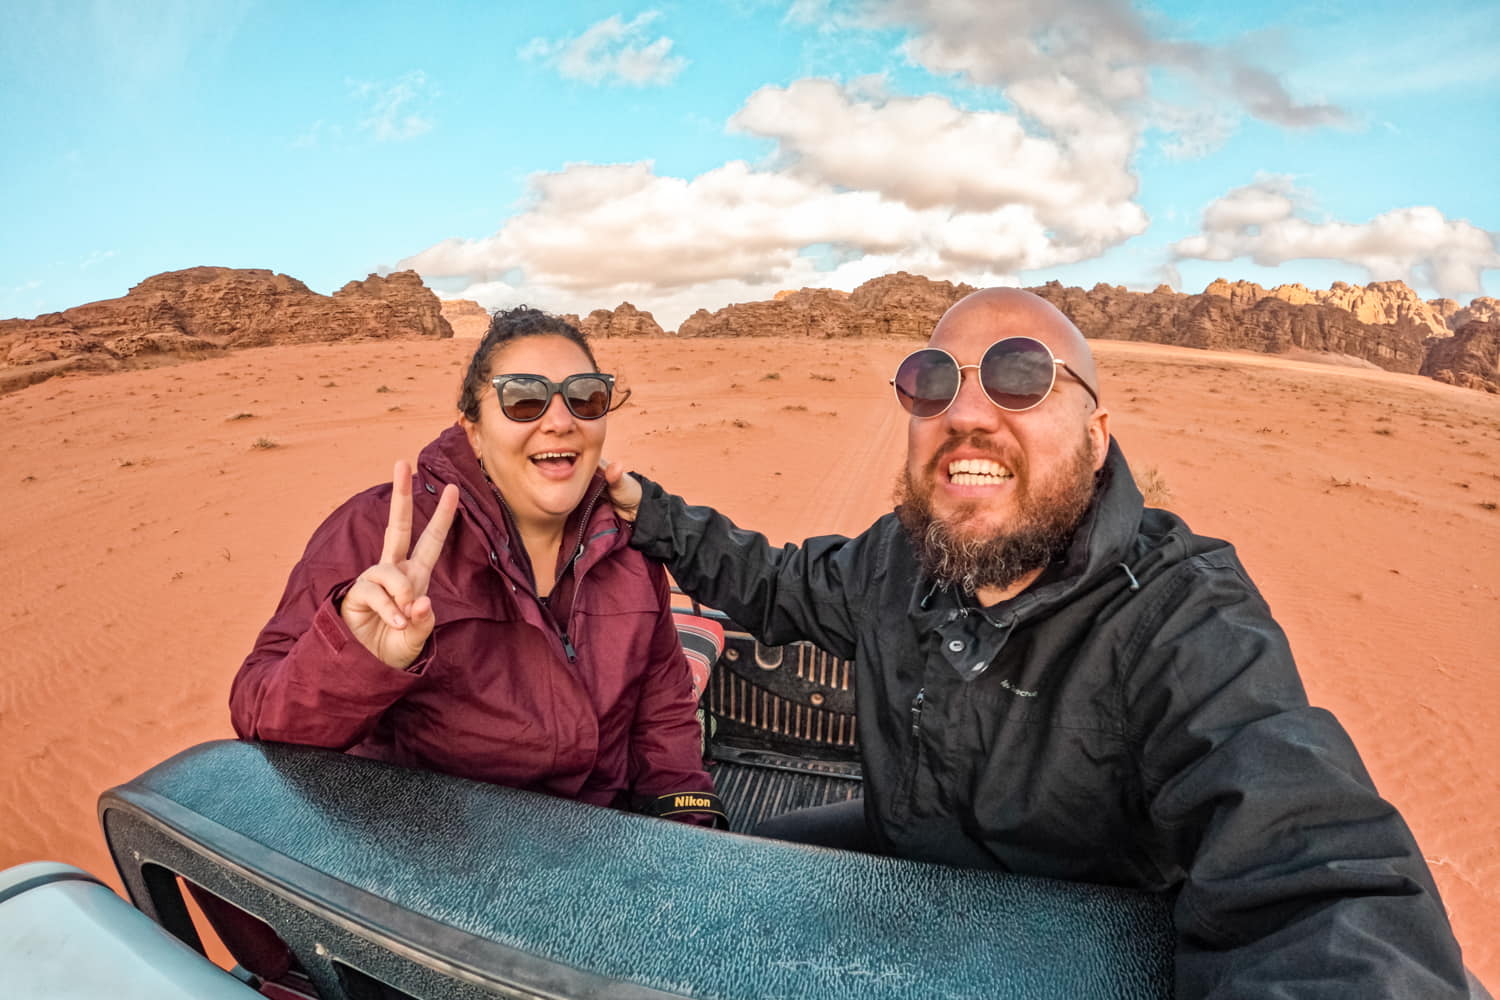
977	472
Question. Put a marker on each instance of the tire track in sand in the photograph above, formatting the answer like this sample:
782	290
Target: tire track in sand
854	487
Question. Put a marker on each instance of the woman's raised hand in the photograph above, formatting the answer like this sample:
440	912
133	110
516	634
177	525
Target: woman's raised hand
387	609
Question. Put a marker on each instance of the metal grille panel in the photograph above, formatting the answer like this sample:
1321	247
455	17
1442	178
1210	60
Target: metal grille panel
791	697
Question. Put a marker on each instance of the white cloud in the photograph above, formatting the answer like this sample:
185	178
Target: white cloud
394	110
885	180
902	182
1266	222
1038	200
1103	52
613	50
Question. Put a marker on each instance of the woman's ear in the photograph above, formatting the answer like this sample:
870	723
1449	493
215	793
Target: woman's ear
471	430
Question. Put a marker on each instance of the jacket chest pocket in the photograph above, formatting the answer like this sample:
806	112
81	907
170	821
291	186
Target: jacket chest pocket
1054	797
1002	754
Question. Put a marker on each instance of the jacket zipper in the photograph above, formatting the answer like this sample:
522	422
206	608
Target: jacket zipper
562	631
583	525
906	797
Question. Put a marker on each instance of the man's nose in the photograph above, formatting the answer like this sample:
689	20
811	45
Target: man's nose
971	408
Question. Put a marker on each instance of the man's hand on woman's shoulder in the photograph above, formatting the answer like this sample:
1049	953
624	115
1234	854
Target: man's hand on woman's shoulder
624	489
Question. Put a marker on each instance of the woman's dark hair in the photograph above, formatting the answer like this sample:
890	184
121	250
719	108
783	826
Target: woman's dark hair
506	328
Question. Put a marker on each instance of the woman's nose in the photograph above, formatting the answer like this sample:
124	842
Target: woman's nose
556	416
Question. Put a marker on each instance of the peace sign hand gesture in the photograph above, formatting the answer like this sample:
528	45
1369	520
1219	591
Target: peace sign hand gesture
387	609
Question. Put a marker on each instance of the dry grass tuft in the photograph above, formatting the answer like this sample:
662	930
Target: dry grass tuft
1153	486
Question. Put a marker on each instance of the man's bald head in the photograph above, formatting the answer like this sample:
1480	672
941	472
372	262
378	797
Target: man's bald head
991	495
1015	312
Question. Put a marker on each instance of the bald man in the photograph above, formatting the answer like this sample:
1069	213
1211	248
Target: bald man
1055	680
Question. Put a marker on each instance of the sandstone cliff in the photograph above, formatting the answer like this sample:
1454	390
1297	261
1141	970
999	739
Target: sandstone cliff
808	312
1394	333
1482	310
1380	303
625	320
1235	316
900	304
205	310
200	311
467	317
1470	358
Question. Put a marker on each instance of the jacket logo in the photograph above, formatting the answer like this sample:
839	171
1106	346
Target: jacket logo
1015	690
690	802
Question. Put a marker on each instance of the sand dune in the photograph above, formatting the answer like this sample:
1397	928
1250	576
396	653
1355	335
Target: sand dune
152	517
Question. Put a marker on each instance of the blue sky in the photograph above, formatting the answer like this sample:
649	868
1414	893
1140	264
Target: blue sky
678	155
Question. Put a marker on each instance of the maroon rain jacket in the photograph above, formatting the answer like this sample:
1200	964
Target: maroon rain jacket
596	708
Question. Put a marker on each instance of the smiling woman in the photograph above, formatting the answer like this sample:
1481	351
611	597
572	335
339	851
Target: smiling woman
519	641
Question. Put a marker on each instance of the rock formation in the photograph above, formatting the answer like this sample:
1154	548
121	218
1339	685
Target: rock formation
1483	310
201	311
1380	303
907	305
1237	315
808	312
624	321
467	317
900	304
205	310
1470	358
1234	316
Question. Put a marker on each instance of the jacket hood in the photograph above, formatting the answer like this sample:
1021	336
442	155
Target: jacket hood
1103	544
1111	523
450	459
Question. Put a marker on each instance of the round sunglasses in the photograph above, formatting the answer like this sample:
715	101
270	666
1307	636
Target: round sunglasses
1016	373
524	398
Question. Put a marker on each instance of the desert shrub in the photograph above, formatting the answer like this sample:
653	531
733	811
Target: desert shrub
1153	486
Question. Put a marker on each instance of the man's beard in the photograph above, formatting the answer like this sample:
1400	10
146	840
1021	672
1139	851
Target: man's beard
1049	513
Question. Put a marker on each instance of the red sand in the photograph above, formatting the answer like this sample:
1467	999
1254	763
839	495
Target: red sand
152	516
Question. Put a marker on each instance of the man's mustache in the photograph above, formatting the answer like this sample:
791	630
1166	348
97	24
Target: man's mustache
974	441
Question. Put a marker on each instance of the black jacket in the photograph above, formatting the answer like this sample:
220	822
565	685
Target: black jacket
1133	718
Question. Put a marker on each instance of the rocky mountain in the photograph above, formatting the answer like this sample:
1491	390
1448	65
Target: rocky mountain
1234	316
1385	323
467	317
1483	310
1380	303
625	320
1470	358
181	315
205	310
900	304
